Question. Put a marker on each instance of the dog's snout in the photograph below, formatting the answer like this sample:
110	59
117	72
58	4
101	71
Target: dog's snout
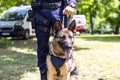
68	46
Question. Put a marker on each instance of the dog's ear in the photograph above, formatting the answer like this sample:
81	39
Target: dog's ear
57	26
72	26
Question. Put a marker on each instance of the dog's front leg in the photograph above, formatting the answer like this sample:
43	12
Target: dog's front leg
66	76
50	76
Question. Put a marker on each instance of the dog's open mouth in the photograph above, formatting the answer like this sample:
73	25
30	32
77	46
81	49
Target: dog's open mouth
67	50
68	53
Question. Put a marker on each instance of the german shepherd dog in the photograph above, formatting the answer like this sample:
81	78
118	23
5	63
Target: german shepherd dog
60	62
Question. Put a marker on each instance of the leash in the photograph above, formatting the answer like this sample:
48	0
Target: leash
65	20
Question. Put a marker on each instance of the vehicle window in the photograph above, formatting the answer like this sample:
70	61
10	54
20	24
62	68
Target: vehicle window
12	16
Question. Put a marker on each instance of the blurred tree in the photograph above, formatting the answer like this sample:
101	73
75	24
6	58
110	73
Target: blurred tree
90	9
106	10
112	14
5	4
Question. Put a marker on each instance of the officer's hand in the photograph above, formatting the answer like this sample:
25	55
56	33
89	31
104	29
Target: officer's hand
68	10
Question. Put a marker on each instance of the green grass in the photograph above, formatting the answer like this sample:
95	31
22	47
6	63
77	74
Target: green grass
97	56
4	43
19	61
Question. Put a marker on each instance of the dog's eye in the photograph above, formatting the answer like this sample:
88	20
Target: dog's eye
62	37
70	36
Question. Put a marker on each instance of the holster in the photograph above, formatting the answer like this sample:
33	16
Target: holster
31	14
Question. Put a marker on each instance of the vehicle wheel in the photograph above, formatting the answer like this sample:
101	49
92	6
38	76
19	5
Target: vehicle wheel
26	35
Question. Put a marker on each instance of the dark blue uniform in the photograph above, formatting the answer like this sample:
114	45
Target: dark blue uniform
51	14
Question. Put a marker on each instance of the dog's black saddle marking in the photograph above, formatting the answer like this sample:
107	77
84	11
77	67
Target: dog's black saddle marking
57	62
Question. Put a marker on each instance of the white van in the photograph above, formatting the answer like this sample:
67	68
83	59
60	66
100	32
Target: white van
80	22
14	23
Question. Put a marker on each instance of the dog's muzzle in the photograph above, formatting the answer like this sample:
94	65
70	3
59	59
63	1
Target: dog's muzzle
67	50
68	46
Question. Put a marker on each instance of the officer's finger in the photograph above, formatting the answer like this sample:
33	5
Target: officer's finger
68	12
64	12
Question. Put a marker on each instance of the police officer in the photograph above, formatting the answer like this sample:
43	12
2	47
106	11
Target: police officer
46	13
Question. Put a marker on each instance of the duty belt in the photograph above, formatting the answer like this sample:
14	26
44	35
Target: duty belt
46	5
51	5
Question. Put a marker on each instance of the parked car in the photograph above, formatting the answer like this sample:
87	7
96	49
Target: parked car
14	23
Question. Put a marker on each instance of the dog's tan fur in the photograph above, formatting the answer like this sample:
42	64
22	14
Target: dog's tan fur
56	50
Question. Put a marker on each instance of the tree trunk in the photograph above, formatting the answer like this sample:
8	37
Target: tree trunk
91	23
117	30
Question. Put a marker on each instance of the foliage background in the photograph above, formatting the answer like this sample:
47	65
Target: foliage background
100	14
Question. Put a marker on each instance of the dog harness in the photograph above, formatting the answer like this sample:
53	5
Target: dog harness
57	63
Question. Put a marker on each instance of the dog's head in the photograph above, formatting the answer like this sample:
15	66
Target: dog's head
63	39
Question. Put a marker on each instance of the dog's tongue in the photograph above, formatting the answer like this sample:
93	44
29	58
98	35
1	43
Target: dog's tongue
67	53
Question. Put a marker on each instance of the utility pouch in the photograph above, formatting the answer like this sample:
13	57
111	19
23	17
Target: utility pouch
31	18
31	14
